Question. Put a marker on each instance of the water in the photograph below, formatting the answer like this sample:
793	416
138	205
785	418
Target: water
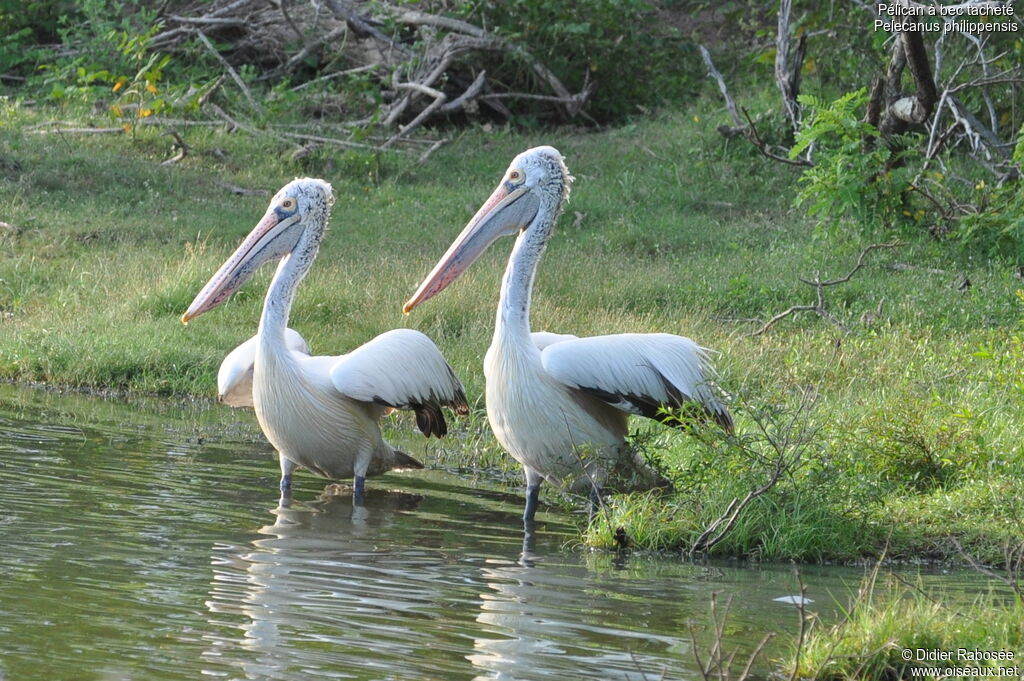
144	541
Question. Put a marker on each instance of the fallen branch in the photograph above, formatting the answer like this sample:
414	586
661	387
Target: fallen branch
79	131
179	144
820	306
240	191
907	267
429	152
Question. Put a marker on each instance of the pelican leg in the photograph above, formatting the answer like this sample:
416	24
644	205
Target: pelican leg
533	480
595	501
287	467
359	487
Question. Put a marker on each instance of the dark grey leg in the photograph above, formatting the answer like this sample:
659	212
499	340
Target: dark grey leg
287	466
359	487
533	480
595	500
532	495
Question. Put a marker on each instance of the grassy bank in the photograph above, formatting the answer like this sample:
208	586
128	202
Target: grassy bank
904	431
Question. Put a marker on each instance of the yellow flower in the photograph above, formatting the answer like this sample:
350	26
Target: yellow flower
118	85
150	88
116	110
146	112
127	127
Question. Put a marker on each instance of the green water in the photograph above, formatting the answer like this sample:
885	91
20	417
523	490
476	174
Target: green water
145	541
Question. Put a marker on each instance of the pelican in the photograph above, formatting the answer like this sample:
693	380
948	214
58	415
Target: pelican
322	413
557	403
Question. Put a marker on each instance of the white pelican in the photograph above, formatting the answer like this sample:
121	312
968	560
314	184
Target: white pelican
559	404
322	413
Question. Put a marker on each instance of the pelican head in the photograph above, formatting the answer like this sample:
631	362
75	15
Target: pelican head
302	207
536	185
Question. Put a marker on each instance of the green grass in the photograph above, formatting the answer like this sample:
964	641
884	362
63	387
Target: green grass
670	228
887	620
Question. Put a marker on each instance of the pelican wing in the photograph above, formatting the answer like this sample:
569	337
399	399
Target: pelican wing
402	369
638	373
234	378
543	339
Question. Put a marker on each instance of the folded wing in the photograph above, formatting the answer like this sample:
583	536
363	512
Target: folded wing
234	378
640	374
405	370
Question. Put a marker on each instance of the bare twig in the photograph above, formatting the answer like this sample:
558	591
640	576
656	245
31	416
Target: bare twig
241	191
1014	566
337	74
231	71
762	146
80	131
802	631
433	147
179	144
906	267
730	104
469	95
308	49
820	306
718	666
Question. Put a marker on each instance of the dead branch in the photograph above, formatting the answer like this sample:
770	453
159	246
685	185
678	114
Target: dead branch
907	267
705	542
787	442
466	97
79	131
362	26
337	74
439	99
787	75
310	47
820	306
231	71
981	138
240	191
718	666
1014	557
433	147
730	104
179	144
762	146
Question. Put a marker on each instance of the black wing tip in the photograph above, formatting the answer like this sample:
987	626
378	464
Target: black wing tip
459	404
679	412
724	419
430	420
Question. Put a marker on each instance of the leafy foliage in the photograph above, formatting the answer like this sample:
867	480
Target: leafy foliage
997	228
851	179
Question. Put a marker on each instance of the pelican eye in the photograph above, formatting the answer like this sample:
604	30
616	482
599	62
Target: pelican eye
516	176
288	204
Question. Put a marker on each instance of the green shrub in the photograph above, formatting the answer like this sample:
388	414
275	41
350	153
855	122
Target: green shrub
850	180
997	228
